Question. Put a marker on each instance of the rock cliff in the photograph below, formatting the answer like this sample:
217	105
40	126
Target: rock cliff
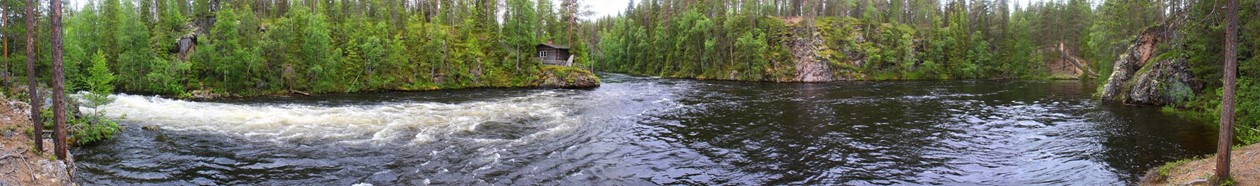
810	67
1144	74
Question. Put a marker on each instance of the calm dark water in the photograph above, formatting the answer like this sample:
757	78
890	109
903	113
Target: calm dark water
649	131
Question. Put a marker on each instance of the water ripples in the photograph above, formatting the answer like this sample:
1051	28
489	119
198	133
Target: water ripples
648	131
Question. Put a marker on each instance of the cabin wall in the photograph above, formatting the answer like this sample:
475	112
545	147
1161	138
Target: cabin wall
554	56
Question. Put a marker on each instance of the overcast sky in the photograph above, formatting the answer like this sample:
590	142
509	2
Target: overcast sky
613	7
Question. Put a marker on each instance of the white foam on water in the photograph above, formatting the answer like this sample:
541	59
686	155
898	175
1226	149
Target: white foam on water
416	122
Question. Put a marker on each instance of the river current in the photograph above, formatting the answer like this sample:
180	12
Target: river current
649	131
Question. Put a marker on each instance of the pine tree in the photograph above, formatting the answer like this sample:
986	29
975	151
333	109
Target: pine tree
1226	135
58	84
519	28
30	73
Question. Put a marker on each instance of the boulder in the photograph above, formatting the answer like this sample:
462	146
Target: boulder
1135	79
1164	82
566	77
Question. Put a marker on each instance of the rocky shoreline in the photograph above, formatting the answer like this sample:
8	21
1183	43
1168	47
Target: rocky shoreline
19	163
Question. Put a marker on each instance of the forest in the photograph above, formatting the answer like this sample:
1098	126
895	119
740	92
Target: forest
212	48
929	39
245	47
906	40
1104	57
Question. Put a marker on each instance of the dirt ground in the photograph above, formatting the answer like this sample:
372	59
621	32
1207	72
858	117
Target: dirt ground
1244	165
19	164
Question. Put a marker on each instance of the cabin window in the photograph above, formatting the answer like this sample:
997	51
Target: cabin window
542	53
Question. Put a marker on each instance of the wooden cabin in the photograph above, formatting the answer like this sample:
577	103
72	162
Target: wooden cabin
554	54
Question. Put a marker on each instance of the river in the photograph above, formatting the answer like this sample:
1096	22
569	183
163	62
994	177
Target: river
649	131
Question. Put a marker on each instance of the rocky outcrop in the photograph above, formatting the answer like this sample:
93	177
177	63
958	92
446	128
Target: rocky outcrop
810	67
826	50
1164	82
1135	79
566	77
20	162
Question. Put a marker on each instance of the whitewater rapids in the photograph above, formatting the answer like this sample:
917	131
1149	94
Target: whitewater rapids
380	123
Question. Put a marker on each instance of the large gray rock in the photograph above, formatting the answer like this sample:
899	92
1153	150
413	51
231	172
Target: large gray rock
1137	80
1164	82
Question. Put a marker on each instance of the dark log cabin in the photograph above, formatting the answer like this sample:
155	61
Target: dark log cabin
554	54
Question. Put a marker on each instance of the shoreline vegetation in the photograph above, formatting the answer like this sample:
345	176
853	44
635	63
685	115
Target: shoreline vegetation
772	42
205	49
240	48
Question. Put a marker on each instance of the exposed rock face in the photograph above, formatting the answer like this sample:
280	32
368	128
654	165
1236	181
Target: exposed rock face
810	67
1136	80
1164	82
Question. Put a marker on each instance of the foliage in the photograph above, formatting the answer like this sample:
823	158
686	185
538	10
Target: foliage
1204	57
89	129
752	40
93	127
896	40
257	48
341	46
270	47
99	79
84	128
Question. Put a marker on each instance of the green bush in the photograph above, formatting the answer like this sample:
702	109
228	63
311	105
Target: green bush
1247	122
92	127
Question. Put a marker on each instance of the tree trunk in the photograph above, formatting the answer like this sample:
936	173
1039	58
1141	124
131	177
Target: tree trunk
30	75
1226	136
4	18
157	12
59	94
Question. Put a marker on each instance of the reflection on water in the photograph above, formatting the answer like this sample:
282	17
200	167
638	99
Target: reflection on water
636	131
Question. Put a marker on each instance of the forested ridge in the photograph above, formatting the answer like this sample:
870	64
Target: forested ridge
248	47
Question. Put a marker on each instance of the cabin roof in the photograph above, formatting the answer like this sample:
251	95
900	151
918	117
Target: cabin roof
555	46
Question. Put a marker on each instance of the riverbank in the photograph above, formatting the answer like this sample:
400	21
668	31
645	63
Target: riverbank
826	49
19	164
1244	165
547	76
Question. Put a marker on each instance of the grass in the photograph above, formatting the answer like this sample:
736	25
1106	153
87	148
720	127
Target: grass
1168	167
1196	116
569	74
